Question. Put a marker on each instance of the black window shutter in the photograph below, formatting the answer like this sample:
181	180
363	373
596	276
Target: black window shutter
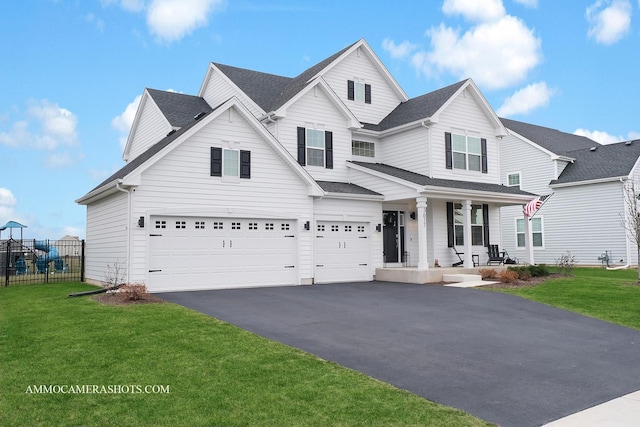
450	232
485	223
302	149
350	90
483	143
245	164
447	148
367	94
216	161
328	149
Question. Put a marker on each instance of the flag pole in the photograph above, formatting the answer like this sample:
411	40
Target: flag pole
543	203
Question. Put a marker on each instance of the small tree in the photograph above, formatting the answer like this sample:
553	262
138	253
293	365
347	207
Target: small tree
630	219
115	275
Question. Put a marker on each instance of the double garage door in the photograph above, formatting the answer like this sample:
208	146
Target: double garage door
189	253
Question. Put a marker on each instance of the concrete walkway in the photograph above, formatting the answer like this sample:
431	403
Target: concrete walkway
499	357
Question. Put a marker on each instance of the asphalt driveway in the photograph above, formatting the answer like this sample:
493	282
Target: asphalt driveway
499	357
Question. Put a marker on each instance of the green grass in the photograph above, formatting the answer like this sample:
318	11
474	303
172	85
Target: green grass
612	295
218	374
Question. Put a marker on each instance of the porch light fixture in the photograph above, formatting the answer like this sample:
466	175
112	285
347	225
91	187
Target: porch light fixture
412	215
379	228
307	225
141	222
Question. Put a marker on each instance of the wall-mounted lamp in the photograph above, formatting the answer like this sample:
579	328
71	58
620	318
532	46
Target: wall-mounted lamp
379	228
412	215
307	225
141	222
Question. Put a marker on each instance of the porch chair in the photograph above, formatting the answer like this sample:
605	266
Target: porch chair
459	254
495	255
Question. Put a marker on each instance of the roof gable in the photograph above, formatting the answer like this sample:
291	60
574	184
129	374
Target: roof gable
179	109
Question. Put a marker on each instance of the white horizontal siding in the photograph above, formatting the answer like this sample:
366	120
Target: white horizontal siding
535	167
358	66
315	110
181	180
464	113
152	126
407	150
390	189
106	243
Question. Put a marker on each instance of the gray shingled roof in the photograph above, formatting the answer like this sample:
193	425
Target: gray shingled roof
551	139
417	108
424	180
178	108
607	161
270	91
345	188
150	152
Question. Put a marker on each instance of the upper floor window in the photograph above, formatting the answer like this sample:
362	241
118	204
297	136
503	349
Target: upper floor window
358	91
466	152
315	147
363	148
513	179
230	162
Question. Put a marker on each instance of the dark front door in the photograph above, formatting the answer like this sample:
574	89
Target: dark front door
390	236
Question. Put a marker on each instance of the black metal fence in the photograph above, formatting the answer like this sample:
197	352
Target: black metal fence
41	261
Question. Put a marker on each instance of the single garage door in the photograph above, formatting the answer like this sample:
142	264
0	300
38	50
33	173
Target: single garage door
342	252
189	253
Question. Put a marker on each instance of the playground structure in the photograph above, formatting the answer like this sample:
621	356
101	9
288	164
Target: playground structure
32	261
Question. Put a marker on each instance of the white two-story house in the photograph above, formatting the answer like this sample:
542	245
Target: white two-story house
333	175
587	183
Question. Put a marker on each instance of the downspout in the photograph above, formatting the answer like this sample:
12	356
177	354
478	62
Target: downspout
128	261
427	124
626	238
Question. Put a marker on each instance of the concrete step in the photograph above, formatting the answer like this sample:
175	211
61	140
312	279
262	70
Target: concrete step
461	278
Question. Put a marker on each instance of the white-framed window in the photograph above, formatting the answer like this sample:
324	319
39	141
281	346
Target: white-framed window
513	179
477	225
466	152
537	232
230	162
315	147
363	148
358	91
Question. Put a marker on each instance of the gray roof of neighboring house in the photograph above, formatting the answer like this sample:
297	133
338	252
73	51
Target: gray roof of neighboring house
551	139
345	188
178	108
270	91
606	161
416	108
419	179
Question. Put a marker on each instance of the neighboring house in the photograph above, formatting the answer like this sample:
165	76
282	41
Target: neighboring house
586	180
329	176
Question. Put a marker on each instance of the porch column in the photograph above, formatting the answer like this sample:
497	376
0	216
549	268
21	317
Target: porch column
466	219
528	241
423	261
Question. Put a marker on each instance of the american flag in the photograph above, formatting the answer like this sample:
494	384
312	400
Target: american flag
533	206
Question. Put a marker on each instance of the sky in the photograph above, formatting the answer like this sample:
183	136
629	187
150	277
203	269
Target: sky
72	72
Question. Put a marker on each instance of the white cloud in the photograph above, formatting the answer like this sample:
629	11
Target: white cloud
171	20
495	54
123	122
599	136
398	51
58	160
474	10
7	199
528	3
527	99
55	127
609	21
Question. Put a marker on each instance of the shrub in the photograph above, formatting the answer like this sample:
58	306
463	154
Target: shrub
522	272
133	292
508	276
539	270
566	263
488	273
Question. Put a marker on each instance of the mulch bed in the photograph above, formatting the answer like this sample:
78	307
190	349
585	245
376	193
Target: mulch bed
118	298
523	283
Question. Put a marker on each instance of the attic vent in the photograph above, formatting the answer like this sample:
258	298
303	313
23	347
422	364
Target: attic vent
199	115
628	143
593	148
171	132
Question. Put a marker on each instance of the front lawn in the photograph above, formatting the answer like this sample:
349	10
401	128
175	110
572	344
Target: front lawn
216	374
611	295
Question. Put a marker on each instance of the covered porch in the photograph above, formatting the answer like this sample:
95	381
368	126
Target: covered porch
428	275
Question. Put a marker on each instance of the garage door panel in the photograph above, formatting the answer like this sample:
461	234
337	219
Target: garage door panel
213	253
342	251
